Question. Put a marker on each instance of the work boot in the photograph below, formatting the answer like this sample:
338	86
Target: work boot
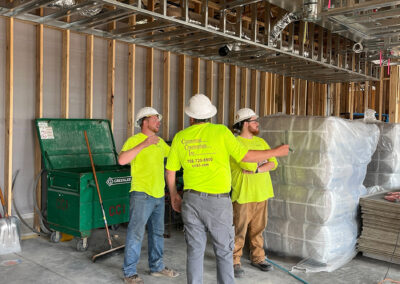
165	272
134	279
263	265
238	271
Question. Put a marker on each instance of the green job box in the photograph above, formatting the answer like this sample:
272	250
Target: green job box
73	205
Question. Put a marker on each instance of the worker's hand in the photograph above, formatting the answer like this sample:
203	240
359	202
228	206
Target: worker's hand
282	150
266	167
246	172
176	202
151	140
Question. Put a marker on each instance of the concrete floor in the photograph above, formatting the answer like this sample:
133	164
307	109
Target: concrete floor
43	262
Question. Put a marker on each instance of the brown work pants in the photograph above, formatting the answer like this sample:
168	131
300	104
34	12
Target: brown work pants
250	218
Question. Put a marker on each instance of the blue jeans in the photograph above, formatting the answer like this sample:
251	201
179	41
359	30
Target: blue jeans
144	209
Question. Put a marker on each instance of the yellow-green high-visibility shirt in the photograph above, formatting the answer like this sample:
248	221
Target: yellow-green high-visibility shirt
147	168
255	187
203	150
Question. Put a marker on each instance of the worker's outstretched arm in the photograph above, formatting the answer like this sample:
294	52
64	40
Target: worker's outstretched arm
176	200
126	157
255	156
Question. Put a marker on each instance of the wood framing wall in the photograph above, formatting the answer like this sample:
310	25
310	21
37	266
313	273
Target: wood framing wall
165	81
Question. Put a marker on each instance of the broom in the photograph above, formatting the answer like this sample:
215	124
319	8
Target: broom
9	231
112	249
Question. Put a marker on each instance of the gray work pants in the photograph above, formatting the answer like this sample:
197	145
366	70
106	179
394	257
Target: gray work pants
202	214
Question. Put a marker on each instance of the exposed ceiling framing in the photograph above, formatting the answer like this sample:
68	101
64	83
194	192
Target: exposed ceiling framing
303	50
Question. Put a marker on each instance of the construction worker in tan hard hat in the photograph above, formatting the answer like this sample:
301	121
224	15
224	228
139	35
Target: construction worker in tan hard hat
145	152
203	150
251	189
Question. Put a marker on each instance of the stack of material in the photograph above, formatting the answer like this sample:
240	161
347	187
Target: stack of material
381	228
384	169
317	186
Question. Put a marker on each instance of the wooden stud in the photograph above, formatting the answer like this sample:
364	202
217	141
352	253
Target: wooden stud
149	77
111	82
350	104
366	95
196	76
310	98
131	80
394	94
337	99
275	81
9	113
296	96
166	94
150	65
210	79
38	114
381	82
316	103
232	94
221	92
372	90
253	90
280	94
181	92
270	92
65	74
303	98
288	91
352	89
263	93
89	76
324	99
131	89
243	87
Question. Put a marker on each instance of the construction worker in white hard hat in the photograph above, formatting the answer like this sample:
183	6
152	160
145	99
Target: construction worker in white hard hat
203	150
145	152
251	189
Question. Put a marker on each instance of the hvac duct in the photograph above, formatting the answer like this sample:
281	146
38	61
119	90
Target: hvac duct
281	25
311	10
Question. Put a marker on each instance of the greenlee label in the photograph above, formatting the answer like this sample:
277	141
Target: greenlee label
118	180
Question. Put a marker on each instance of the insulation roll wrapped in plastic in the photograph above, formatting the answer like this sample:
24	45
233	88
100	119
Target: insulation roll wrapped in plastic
384	169
322	243
317	186
316	206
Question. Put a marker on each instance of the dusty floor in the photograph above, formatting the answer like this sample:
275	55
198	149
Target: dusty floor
44	262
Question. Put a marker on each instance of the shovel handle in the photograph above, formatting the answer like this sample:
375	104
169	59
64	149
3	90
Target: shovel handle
3	203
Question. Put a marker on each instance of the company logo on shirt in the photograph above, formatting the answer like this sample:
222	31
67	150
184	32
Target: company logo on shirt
118	180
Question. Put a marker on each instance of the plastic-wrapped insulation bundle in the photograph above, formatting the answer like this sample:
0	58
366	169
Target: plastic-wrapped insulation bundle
384	169
317	187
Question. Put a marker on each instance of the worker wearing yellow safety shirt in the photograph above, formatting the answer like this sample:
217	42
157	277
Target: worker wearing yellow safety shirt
145	152
203	150
251	189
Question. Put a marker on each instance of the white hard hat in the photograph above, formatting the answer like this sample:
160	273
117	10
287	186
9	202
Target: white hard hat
200	107
243	114
146	112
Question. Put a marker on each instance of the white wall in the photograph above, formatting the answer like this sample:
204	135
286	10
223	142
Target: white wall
24	92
